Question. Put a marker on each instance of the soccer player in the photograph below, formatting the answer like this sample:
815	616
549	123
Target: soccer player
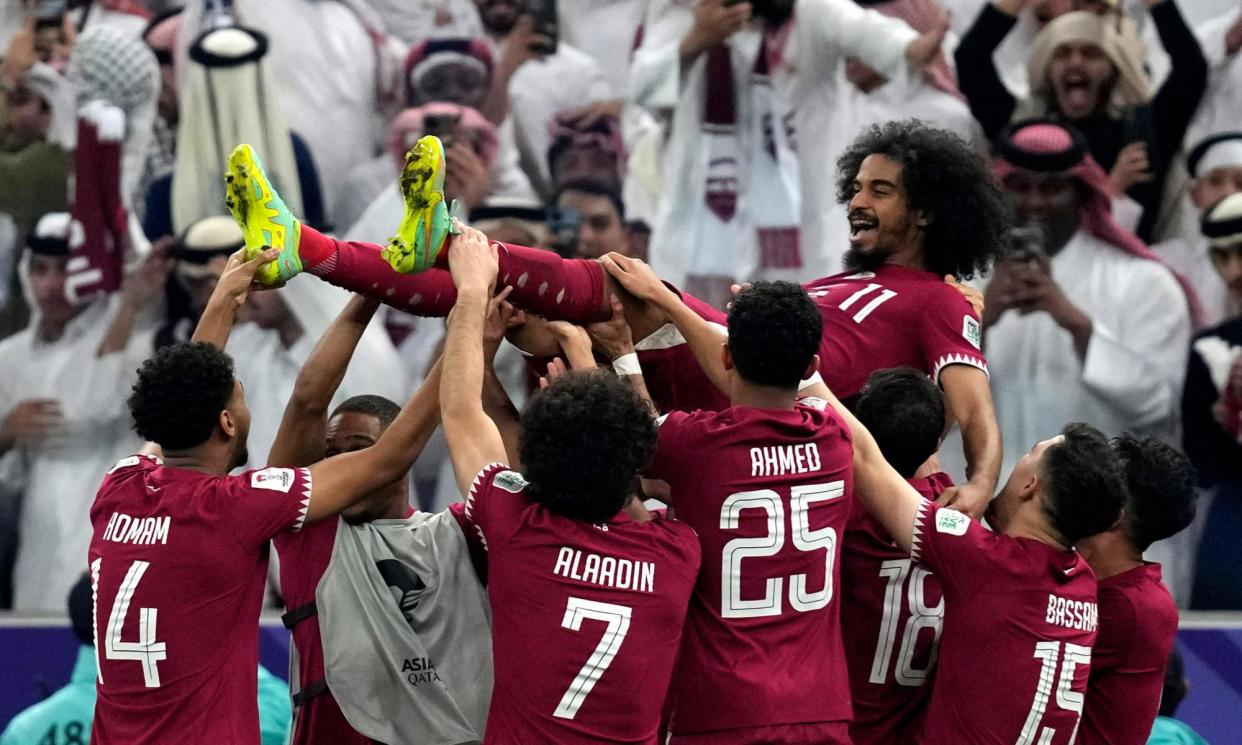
922	205
1138	618
588	601
1020	614
178	558
766	484
892	609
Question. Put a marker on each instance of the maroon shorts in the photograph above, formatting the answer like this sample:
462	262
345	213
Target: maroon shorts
818	733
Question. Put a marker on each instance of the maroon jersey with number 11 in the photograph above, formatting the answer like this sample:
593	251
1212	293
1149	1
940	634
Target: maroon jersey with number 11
586	618
768	492
178	562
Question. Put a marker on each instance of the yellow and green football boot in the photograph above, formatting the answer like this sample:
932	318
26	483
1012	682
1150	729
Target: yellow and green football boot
263	217
428	221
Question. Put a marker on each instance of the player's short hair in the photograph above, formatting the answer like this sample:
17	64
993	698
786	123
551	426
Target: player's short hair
379	407
1083	483
180	393
81	603
1160	485
904	411
947	180
584	440
774	332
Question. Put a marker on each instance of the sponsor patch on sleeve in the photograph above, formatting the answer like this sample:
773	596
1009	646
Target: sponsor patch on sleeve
972	332
510	481
276	479
951	522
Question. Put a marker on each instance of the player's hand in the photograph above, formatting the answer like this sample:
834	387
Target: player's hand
972	295
1132	167
472	260
612	337
574	342
556	369
501	316
639	280
237	279
968	498
30	421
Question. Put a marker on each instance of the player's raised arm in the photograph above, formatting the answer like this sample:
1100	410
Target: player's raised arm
300	439
705	340
473	439
230	292
344	479
501	316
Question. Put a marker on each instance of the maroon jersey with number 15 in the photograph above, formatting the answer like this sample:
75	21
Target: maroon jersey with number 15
586	618
178	562
768	492
1020	620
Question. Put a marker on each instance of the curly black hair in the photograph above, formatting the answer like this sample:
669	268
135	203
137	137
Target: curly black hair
947	180
774	331
584	440
180	393
1084	484
904	411
1161	486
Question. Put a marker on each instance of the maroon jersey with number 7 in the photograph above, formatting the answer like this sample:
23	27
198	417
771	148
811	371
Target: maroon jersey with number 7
178	561
768	492
586	618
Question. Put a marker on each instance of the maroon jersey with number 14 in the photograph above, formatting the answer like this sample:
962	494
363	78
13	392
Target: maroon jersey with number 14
768	492
891	615
892	317
178	562
586	618
1020	620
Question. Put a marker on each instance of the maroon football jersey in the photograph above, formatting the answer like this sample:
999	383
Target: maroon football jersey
1138	620
768	492
1020	619
891	613
178	562
893	317
586	618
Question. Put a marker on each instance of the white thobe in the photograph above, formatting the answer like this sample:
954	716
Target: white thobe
60	475
1188	256
1221	107
825	228
415	21
604	29
538	91
823	33
1131	377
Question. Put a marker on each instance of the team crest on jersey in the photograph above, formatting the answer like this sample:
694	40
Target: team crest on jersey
276	479
510	481
972	331
951	522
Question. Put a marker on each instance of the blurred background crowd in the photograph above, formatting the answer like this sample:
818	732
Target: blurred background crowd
700	135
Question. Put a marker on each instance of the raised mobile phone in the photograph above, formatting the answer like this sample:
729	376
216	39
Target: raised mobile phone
543	12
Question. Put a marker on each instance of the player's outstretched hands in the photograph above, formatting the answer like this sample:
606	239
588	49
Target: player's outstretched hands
501	316
638	279
472	259
556	369
968	498
612	337
238	276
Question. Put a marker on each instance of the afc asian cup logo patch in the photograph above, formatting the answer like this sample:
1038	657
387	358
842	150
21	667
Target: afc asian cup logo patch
276	479
951	522
972	331
510	481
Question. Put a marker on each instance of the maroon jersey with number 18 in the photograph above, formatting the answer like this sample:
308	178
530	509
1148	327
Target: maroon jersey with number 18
1020	620
586	618
892	317
178	562
891	615
768	492
1138	620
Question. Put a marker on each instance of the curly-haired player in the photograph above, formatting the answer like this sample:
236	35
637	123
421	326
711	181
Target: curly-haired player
588	601
178	558
1138	618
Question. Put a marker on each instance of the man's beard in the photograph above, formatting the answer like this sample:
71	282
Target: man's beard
857	260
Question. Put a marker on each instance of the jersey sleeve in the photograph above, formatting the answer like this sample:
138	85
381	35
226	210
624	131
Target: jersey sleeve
667	462
951	335
268	501
959	550
496	499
